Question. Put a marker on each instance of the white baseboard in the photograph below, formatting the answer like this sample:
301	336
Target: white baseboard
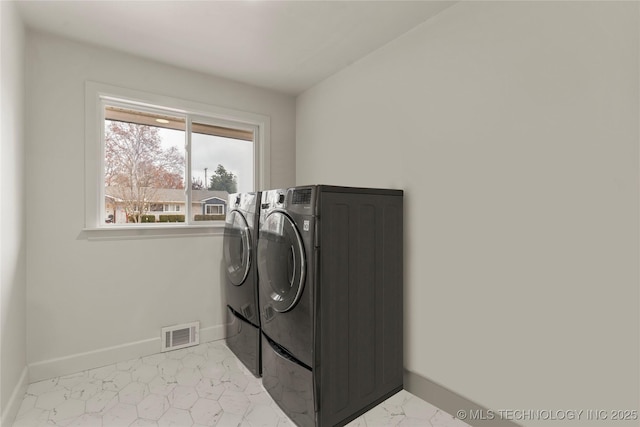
74	363
451	402
13	405
212	333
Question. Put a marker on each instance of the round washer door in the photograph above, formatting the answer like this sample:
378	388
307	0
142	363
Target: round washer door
237	247
281	261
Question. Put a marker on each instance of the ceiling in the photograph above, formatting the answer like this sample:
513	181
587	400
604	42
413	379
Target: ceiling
287	46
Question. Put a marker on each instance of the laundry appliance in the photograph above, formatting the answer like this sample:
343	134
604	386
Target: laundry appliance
330	294
241	279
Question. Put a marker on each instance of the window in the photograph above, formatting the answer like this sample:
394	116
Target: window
154	159
214	209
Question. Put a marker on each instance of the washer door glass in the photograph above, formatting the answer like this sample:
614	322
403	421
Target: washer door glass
237	247
281	262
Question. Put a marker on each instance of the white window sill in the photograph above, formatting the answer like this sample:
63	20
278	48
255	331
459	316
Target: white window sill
152	231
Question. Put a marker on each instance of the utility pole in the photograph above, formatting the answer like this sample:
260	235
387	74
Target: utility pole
206	184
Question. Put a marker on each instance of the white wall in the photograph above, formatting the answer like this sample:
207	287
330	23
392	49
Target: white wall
513	129
12	214
84	296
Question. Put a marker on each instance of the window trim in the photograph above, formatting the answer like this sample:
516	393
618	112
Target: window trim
95	94
210	205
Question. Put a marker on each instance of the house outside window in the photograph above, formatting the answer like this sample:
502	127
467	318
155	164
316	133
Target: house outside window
210	203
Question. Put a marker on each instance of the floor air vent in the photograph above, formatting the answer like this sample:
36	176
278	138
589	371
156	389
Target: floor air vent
180	336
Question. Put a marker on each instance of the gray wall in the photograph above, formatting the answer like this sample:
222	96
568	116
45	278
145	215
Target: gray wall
513	129
12	214
91	302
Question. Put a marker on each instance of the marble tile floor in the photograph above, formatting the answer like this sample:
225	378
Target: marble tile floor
198	386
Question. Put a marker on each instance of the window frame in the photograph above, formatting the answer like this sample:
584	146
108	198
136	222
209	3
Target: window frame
211	205
96	94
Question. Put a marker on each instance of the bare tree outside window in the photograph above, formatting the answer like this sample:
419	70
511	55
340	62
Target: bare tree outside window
137	165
